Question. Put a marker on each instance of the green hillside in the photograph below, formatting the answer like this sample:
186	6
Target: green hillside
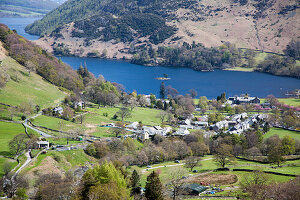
25	87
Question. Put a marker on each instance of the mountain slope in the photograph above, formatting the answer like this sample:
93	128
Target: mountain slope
36	59
23	88
92	26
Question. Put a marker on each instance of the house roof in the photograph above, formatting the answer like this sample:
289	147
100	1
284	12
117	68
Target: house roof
42	142
196	187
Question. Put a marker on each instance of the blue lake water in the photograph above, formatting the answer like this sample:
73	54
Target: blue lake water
142	79
19	24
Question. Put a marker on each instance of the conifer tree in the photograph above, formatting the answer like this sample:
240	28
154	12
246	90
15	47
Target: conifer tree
153	187
135	183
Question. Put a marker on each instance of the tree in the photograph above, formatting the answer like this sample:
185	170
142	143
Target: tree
274	150
11	111
162	116
276	155
266	127
135	184
293	49
288	145
199	148
18	144
117	131
133	103
192	162
193	93
254	151
81	118
68	113
162	91
160	104
176	182
223	155
153	187
7	167
123	112
53	186
30	66
171	91
104	182
203	104
254	182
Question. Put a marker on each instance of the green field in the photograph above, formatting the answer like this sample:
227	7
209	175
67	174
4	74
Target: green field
281	133
32	87
288	101
54	123
2	161
208	165
7	132
146	115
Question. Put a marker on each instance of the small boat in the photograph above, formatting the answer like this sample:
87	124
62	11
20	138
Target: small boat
162	78
207	70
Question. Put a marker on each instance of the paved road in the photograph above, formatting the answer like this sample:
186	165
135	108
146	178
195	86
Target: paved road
27	154
40	132
162	166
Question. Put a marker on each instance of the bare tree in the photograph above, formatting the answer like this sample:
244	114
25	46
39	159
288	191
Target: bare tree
11	111
176	181
30	66
124	112
192	162
162	116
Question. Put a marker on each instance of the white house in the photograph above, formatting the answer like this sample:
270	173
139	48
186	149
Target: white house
42	144
220	125
58	110
144	136
182	132
134	125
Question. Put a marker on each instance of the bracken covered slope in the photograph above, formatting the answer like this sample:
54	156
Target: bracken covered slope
113	27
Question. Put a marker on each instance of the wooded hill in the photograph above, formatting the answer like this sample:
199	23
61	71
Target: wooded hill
267	25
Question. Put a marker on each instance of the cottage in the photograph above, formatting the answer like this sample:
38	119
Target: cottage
201	124
244	100
42	144
58	110
182	131
80	104
220	125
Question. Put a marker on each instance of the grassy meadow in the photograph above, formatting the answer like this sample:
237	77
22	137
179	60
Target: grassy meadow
27	88
281	133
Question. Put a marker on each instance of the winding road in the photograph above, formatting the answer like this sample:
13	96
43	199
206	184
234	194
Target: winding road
175	165
46	135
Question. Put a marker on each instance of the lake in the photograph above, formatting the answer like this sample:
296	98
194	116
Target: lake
142	78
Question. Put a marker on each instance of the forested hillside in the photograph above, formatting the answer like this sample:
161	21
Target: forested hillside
200	34
266	25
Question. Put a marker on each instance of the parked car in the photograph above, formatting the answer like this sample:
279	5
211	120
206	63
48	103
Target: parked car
177	161
148	166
